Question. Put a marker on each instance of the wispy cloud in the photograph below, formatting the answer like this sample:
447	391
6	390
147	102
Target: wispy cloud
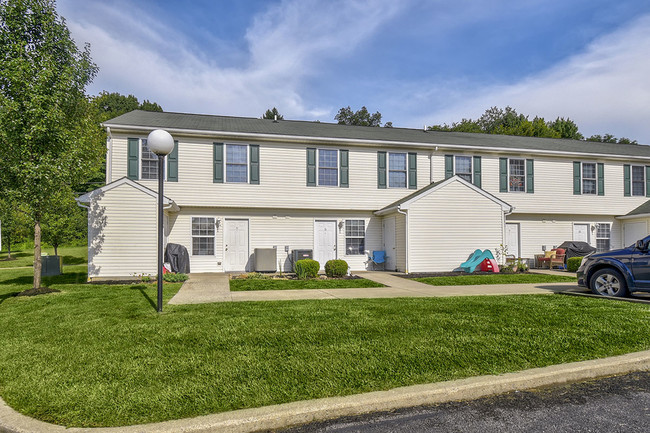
286	44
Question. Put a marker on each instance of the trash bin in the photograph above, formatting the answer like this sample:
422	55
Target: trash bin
50	265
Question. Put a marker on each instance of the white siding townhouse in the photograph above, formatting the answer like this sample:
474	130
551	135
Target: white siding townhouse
429	199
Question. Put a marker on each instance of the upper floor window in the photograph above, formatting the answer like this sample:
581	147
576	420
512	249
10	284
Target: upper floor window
203	230
516	175
148	162
589	178
328	172
638	180
355	233
397	174
463	167
237	163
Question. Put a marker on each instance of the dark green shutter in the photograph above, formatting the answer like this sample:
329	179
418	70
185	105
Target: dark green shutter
577	178
601	178
133	164
503	174
530	176
381	170
217	157
647	180
254	164
449	166
311	167
477	171
172	164
345	168
413	170
627	183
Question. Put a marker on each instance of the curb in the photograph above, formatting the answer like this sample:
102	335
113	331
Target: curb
302	412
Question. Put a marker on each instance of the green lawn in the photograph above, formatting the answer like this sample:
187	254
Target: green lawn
466	280
241	285
99	355
25	257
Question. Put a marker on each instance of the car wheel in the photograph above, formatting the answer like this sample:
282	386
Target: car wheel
608	282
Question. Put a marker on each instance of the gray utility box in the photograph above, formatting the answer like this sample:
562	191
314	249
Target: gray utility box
301	254
50	265
266	259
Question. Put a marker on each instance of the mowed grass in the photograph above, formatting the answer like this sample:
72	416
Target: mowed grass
25	257
467	280
99	355
242	285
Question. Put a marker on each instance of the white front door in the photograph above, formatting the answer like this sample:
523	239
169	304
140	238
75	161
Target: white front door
581	232
324	241
389	243
512	239
235	245
633	232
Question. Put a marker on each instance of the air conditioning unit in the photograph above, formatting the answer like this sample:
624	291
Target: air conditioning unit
301	254
266	259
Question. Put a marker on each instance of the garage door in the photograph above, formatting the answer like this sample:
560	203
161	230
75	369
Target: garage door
634	231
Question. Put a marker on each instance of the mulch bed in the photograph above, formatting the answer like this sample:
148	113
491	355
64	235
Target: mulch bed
39	291
291	277
443	274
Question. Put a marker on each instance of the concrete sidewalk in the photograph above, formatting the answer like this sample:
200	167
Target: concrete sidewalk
206	288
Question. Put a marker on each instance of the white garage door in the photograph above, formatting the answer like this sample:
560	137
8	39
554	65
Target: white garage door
634	231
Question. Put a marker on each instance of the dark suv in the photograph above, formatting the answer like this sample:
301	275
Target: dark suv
617	272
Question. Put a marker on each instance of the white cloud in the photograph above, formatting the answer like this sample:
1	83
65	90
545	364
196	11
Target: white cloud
604	89
286	44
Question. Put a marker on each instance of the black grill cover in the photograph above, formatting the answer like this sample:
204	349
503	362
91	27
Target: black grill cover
176	255
576	249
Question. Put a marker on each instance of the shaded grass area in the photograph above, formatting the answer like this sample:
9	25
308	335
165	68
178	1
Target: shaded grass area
99	355
25	257
466	280
242	285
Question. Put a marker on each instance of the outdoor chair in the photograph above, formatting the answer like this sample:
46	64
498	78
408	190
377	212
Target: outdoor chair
378	258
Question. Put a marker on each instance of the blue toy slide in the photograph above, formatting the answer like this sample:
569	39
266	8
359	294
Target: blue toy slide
475	260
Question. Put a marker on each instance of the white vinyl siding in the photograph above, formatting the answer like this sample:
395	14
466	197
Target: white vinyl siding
516	175
355	235
463	167
638	180
397	174
203	231
328	173
589	178
236	163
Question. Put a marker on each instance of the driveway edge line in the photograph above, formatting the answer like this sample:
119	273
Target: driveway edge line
301	412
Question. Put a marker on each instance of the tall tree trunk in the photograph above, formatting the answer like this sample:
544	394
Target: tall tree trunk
37	254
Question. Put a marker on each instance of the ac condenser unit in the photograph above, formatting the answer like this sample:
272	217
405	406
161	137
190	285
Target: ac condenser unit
301	254
266	259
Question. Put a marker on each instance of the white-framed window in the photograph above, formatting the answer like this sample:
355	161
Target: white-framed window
463	167
517	175
603	237
148	162
328	167
397	174
203	236
589	178
638	180
355	237
236	163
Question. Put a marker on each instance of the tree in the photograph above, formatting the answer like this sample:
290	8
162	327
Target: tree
49	137
14	226
567	128
109	105
362	117
63	222
609	138
272	113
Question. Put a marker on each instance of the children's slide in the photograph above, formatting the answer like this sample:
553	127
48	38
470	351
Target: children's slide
476	259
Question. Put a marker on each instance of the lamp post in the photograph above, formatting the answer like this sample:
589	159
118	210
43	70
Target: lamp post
161	143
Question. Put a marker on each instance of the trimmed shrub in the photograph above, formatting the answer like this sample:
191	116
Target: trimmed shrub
255	276
175	278
336	268
306	268
573	264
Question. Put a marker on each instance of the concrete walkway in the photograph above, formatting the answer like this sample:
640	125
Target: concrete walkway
205	288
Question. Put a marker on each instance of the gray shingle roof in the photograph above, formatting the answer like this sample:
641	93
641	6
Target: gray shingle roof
641	210
215	124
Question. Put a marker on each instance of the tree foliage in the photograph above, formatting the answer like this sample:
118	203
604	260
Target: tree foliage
361	117
49	137
63	222
113	104
15	228
272	113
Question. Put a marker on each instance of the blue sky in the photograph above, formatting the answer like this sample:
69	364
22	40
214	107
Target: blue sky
417	62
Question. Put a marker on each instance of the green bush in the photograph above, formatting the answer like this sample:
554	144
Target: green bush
175	278
306	268
336	268
573	264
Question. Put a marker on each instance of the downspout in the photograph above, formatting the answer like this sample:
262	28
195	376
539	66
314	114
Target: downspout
406	237
109	155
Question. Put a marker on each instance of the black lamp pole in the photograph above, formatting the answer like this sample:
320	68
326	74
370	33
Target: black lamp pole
161	165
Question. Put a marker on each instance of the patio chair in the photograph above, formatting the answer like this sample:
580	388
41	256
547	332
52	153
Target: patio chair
378	258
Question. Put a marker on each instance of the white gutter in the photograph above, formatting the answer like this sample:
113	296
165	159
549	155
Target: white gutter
369	143
406	229
629	217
